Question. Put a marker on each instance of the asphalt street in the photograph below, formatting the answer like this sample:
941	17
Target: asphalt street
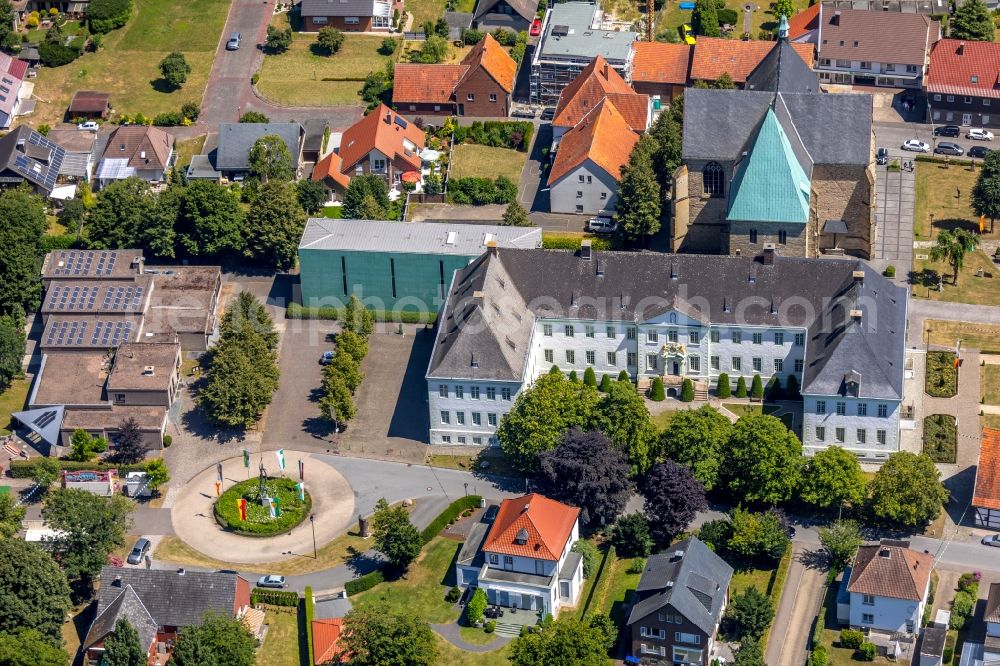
892	136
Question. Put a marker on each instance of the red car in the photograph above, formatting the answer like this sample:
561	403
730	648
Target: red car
536	28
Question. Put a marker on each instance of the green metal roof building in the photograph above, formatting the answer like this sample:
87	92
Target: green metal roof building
394	265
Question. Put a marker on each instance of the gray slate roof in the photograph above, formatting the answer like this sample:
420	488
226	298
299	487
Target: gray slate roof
425	237
337	7
581	41
516	286
236	140
688	577
126	606
525	8
835	129
783	70
314	128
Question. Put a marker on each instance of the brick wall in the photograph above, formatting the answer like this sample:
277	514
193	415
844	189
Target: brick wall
796	238
363	25
481	85
846	193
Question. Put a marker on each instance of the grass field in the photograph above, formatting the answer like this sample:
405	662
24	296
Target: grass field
162	25
431	10
613	588
12	400
284	640
943	200
991	421
486	162
296	77
991	384
188	148
971	289
983	337
671	17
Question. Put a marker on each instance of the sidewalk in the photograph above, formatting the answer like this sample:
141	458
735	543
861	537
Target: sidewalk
800	602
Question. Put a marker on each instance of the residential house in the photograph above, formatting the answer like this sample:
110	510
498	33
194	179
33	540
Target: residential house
13	91
159	604
804	26
236	140
481	85
348	15
79	158
392	265
779	162
28	158
89	104
382	143
588	165
962	83
512	314
711	57
888	587
927	7
597	82
513	15
679	603
881	48
991	616
660	70
986	498
140	151
326	633
524	559
573	34
327	171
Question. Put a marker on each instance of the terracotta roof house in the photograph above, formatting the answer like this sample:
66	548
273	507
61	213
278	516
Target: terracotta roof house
712	57
597	82
513	15
681	597
27	157
89	104
861	47
159	604
481	85
660	69
327	171
804	26
888	584
326	639
136	150
986	498
383	143
347	15
963	83
523	558
588	165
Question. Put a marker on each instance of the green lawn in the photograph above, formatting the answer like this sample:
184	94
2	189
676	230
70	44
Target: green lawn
333	212
163	25
940	437
188	148
943	200
970	289
991	421
285	637
941	376
662	419
991	384
12	400
671	17
470	160
983	337
431	10
741	409
300	77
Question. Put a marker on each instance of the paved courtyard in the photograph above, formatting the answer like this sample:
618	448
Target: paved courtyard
894	218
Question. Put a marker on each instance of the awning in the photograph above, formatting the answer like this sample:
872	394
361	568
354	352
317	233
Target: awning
835	227
411	177
43	421
63	192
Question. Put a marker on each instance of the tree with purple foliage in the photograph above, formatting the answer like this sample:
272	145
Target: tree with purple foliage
672	498
585	470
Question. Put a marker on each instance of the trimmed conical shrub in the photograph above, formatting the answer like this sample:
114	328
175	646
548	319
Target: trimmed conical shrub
589	377
723	389
605	384
741	387
554	370
773	390
757	388
573	377
623	376
687	390
656	392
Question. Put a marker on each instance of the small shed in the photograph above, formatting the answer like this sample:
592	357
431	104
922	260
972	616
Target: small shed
98	482
90	104
932	646
312	142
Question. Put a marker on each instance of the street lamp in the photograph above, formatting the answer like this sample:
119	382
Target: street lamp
466	484
312	523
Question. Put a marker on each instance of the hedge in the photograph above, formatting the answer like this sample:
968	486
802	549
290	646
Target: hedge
514	134
107	15
25	469
298	311
362	583
310	613
56	54
454	510
482	191
260	595
559	242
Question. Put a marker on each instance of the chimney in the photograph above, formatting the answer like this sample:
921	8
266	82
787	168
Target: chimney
768	255
388	118
961	48
856	315
477	297
148	371
605	71
859	277
836	18
585	249
181	572
491	247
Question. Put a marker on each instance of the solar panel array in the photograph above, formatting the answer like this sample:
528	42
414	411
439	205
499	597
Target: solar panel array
66	333
81	263
122	298
111	333
83	298
105	333
43	175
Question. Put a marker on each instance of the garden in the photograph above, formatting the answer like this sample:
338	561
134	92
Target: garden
291	510
991	384
940	437
971	288
941	375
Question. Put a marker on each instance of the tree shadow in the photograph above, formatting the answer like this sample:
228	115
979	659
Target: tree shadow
410	418
961	488
365	563
955	223
196	423
161	85
925	277
816	559
318	50
449	579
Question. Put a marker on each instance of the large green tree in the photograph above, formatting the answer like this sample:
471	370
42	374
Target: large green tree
757	536
379	635
312	195
565	642
907	490
158	235
622	416
210	222
952	246
696	438
33	591
274	226
330	40
90	528
121	211
672	499
122	647
667	131
705	19
832	478
130	448
752	612
174	69
270	159
29	647
21	230
763	460
638	208
12	344
241	381
395	536
972	21
11	515
841	541
515	216
986	191
541	415
219	641
586	471
355	205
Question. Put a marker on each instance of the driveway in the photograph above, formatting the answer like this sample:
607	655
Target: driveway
800	602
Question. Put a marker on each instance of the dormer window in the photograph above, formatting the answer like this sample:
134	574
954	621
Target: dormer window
522	537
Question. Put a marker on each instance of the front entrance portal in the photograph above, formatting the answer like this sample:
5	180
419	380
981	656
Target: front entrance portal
675	368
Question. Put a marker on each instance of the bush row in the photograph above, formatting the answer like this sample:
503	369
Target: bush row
482	191
260	595
453	511
310	615
107	15
25	469
515	134
298	311
362	583
550	242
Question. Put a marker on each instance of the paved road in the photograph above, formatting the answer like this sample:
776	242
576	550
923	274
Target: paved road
800	601
892	136
920	310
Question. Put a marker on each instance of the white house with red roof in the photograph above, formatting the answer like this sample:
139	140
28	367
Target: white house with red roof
963	83
523	557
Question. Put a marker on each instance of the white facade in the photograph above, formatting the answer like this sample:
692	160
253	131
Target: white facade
887	613
586	190
885	73
869	428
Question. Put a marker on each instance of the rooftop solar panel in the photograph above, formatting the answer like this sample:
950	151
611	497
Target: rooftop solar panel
46	418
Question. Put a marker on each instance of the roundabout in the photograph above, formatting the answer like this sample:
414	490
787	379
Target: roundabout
212	525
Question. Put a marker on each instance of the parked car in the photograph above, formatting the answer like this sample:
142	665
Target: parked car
536	28
916	145
549	113
271	581
326	358
602	225
978	151
948	130
949	148
89	125
234	42
688	34
979	134
523	113
138	551
992	540
882	156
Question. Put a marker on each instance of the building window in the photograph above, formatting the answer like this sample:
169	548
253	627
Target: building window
491	419
581	177
632	359
319	20
378	164
611	332
570	356
589	331
579	208
568	330
820	433
883	410
590	357
443	390
471	97
548	356
579	194
478	441
413	107
911	69
753	235
800	339
477	419
839	433
612	358
889	67
351	20
693	337
798	365
756	363
494	558
714	361
445	417
713	336
460	417
967	100
652	336
493	97
672	335
460	392
652	361
880	437
758	338
713	180
446	439
779	365
547	330
862	409
684	637
694	363
782	236
505	394
867	618
864	64
950	98
630	332
736	337
779	338
491	393
604	196
736	364
862	435
841	408
821	406
437	107
937	98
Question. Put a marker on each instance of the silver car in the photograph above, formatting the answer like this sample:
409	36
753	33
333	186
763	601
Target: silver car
271	581
602	225
992	540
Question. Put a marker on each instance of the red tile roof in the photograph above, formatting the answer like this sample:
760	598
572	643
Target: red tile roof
658	62
964	68
492	57
426	84
326	636
596	82
145	147
714	57
330	167
381	129
805	21
889	570
546	524
987	493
